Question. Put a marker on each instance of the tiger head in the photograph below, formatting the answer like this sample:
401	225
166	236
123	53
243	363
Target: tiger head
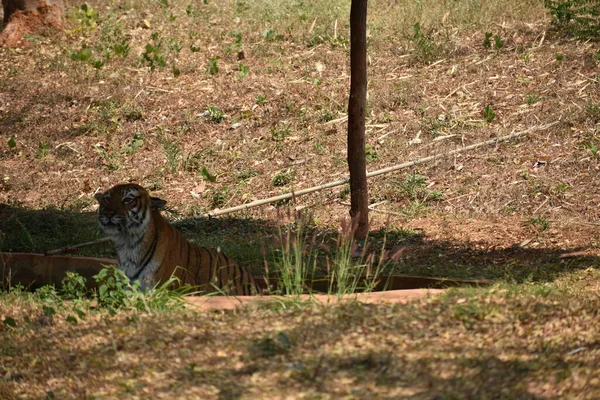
126	208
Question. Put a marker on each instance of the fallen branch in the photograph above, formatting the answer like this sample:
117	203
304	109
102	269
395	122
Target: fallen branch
371	174
70	249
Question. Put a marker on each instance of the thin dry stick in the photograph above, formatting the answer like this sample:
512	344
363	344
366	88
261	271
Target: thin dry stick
371	174
541	205
70	249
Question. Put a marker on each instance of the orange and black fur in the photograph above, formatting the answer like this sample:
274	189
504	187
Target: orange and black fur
151	250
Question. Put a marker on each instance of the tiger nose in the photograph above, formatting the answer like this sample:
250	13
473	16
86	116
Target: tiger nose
109	214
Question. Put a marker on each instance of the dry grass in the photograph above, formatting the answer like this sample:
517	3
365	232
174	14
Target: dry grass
78	129
506	342
506	212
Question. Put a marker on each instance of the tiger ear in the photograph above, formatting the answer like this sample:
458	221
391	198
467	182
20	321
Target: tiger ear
98	196
157	204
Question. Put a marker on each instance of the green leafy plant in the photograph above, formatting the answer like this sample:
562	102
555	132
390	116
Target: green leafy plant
219	197
541	223
246	174
108	158
42	150
215	114
413	188
213	67
487	42
174	45
16	288
87	15
532	98
425	48
153	53
414	193
134	144
270	35
207	175
112	287
47	293
314	39
12	143
413	209
115	292
236	46
121	49
280	133
579	18
194	163
83	54
270	346
73	286
592	148
371	154
283	178
498	42
238	37
345	192
488	113
242	70
327	115
48	311
260	99
98	64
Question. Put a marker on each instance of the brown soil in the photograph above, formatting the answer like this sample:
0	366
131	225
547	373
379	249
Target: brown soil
30	21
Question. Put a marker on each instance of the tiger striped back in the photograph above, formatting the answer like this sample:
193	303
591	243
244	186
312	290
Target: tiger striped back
151	250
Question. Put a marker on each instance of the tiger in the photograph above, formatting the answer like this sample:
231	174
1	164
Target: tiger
151	250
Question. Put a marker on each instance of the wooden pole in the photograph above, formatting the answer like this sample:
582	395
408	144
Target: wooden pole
359	194
70	249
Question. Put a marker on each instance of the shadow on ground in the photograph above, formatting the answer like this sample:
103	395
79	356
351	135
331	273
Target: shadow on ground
252	241
428	365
